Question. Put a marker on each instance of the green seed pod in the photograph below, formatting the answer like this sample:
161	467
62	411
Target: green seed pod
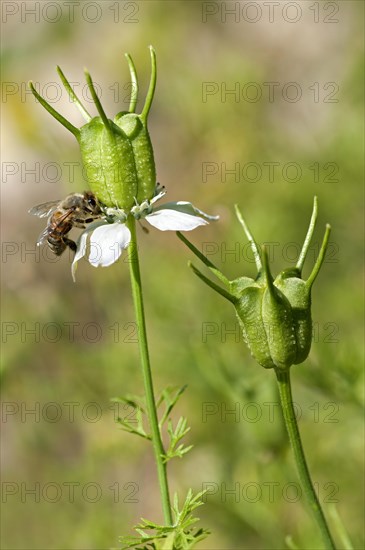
298	291
298	294
275	315
109	163
248	311
117	156
266	319
248	306
145	170
135	127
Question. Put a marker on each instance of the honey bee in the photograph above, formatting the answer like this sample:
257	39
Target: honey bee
76	210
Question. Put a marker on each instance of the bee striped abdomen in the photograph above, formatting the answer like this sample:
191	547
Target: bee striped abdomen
58	228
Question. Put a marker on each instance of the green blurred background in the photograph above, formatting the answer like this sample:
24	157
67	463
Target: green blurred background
92	480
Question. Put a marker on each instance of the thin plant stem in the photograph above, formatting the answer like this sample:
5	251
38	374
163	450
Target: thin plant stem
151	88
134	84
75	131
73	96
205	260
309	236
251	240
212	285
98	105
158	448
283	379
321	257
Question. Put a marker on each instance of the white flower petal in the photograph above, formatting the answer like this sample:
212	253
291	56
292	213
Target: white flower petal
172	220
186	208
80	253
107	243
178	216
81	245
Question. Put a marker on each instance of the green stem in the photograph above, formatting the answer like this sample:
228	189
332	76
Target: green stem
134	84
308	237
75	131
151	88
73	96
98	104
251	240
147	374
283	378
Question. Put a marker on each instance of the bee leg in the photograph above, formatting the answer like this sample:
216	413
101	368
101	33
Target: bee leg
80	224
70	243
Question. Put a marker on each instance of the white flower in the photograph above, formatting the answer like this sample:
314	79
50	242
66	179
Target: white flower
110	236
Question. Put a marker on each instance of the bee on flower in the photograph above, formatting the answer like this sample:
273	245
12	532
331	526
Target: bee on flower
118	160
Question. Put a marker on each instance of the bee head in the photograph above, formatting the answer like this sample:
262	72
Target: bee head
91	202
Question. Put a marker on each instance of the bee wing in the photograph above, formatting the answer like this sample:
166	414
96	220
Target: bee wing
42	237
45	209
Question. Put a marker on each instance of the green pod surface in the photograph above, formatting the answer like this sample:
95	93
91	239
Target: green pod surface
249	313
278	320
109	162
298	294
137	132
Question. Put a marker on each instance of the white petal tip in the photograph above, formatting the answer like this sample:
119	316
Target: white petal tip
173	220
107	243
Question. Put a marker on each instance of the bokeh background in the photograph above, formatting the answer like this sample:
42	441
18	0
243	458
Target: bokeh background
69	348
